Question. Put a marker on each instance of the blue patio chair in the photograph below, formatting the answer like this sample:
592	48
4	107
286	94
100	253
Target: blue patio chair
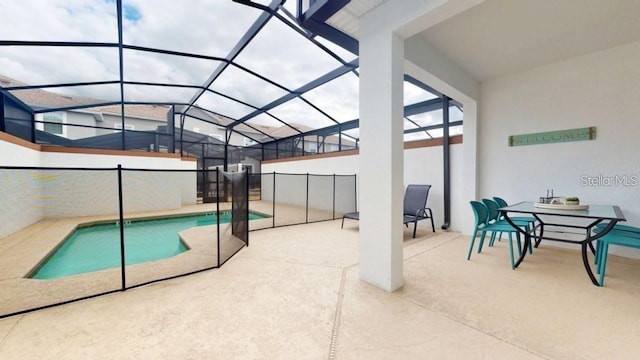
496	217
482	225
503	203
528	222
618	229
621	235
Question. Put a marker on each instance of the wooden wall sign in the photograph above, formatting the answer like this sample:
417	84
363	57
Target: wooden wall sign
588	133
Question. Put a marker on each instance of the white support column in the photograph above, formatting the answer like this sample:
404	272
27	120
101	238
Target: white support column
470	170
381	156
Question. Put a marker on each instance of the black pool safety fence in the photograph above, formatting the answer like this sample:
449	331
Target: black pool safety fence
68	234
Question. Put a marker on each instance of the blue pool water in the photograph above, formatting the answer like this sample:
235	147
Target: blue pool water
97	247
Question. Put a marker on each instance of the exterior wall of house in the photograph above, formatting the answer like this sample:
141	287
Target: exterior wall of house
78	132
206	128
114	122
600	89
109	124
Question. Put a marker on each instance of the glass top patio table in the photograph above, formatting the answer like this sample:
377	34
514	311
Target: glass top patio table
604	212
594	215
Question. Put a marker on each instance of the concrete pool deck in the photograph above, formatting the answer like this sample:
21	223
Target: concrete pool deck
294	293
25	250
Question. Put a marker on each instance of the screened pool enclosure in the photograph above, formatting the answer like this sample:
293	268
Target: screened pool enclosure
228	82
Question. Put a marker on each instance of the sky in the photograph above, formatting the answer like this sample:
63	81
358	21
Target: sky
203	27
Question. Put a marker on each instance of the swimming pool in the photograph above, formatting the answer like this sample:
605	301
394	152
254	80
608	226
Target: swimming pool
97	247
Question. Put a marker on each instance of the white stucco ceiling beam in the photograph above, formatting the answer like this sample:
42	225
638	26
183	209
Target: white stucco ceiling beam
427	64
408	17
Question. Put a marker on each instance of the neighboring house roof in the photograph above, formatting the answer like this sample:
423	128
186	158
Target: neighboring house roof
286	131
144	111
42	99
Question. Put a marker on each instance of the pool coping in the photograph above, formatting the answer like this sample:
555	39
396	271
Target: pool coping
21	250
132	217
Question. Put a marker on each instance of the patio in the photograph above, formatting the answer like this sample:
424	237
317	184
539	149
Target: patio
294	293
24	250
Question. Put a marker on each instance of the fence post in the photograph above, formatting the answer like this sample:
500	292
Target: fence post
355	192
205	177
307	204
273	202
334	196
121	210
2	121
218	213
246	179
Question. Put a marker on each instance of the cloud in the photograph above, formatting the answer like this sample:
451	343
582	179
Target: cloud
202	27
56	20
246	87
339	98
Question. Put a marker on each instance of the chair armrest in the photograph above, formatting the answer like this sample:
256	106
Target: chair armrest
422	211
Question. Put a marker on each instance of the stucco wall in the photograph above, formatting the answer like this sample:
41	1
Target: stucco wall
599	89
20	194
27	196
294	185
421	166
18	211
291	188
12	154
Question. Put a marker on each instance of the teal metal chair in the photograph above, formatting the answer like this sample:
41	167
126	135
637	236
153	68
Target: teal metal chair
621	235
503	203
618	229
524	221
482	225
495	217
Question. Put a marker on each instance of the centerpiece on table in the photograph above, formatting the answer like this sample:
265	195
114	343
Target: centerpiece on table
572	200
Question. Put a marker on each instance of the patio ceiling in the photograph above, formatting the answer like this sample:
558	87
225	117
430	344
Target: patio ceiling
248	65
499	37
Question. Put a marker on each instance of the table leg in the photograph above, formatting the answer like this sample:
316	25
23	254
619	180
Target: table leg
527	239
539	239
587	266
589	240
